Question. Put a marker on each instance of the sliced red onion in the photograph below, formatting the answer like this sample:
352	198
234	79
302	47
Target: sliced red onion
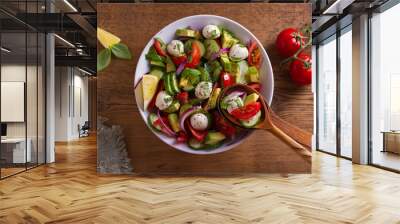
236	93
140	80
244	96
214	56
224	50
185	115
181	67
165	127
217	54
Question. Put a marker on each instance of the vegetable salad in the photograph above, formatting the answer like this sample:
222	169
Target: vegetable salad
186	77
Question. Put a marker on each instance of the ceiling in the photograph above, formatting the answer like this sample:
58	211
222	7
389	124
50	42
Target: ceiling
75	21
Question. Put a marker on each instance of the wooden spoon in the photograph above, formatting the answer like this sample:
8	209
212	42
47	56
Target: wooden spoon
267	121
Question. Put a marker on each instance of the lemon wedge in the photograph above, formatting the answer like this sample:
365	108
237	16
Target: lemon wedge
149	85
107	39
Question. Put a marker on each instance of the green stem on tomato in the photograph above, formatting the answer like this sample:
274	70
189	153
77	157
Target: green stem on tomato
302	47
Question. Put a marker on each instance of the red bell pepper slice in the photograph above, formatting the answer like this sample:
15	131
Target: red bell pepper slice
160	47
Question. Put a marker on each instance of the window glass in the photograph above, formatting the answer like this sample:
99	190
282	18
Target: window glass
327	96
385	89
346	93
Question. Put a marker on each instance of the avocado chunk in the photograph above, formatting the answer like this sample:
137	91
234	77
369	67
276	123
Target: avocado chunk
204	76
174	122
157	64
243	69
212	101
174	107
189	79
170	66
211	47
228	40
157	72
216	69
226	63
252	74
252	98
214	137
188	33
184	108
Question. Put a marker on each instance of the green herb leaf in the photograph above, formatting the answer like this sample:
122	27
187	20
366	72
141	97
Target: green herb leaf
121	51
103	59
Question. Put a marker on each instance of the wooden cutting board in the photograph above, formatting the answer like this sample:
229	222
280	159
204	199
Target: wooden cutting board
262	152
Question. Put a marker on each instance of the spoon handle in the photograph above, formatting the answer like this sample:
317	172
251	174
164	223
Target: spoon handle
298	134
290	141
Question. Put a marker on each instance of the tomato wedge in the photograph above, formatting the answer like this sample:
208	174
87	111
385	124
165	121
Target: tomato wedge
183	97
254	55
198	135
179	60
194	56
222	125
226	79
181	137
160	47
246	112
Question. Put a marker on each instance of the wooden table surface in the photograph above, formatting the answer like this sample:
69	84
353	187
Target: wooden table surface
262	152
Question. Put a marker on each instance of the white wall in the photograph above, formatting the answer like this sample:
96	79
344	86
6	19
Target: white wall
71	103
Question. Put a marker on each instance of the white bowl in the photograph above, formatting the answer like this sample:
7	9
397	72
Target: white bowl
198	21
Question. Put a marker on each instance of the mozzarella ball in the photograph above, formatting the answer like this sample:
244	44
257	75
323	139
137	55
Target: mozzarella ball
238	52
211	32
199	121
163	100
203	90
176	48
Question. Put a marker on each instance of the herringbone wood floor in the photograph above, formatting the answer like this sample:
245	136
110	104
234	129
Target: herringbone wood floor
70	191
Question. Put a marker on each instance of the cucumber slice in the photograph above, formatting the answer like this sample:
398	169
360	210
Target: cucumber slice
167	85
174	83
252	121
194	144
151	119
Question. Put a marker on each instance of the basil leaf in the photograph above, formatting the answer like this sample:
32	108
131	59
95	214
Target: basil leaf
103	59
121	51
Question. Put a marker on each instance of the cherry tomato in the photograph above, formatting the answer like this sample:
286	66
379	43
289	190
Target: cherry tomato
254	55
160	47
301	70
194	57
181	137
226	79
222	125
198	135
255	85
183	97
179	60
246	112
288	42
